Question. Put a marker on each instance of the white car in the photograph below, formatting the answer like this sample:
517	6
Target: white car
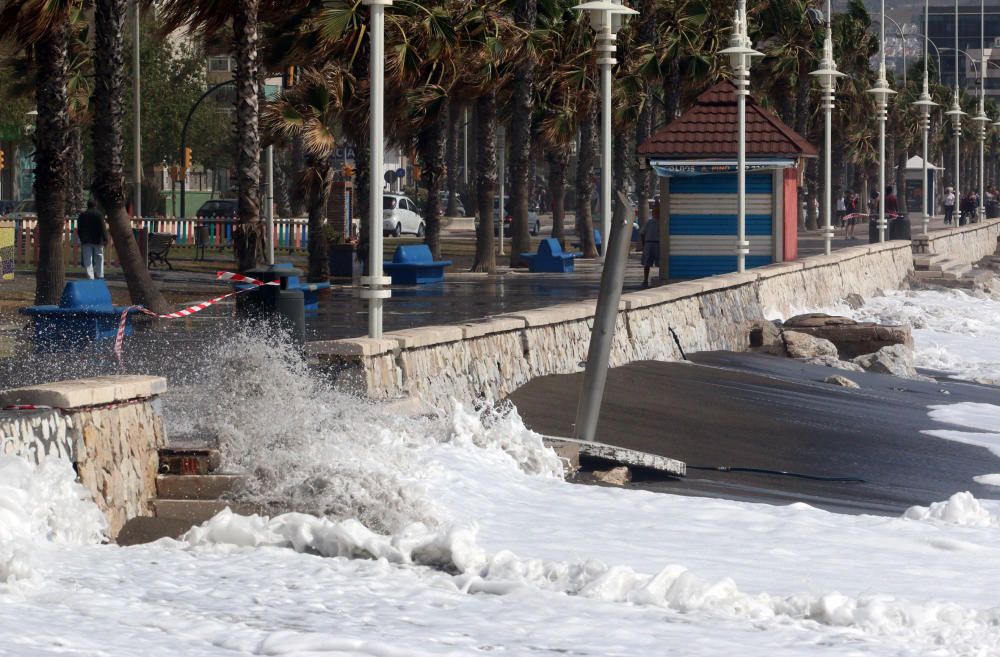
399	215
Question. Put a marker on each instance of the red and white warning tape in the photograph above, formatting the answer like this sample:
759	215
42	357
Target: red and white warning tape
190	310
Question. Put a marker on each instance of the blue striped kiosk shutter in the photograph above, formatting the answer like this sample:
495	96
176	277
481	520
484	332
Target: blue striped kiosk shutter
703	223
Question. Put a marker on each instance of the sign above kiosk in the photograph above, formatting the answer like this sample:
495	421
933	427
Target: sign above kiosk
680	168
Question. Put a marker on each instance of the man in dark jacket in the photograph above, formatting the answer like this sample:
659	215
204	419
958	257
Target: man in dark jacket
90	229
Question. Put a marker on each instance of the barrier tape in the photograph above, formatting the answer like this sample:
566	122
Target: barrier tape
190	310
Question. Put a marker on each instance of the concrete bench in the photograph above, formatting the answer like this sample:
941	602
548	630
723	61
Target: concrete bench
597	241
550	258
309	290
84	316
413	264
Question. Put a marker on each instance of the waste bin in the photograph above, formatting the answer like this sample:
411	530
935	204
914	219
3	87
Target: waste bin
899	228
275	303
872	229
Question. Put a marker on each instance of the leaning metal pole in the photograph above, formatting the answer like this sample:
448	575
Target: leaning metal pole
375	280
616	246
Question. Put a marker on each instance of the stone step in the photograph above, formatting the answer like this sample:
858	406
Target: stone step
189	461
196	487
196	511
928	261
957	269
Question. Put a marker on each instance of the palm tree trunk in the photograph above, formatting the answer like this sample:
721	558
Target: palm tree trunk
51	147
451	157
585	161
248	235
558	163
319	196
296	163
486	180
109	176
431	143
522	107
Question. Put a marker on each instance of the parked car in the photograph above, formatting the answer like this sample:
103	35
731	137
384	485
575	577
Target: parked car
444	204
19	210
534	224
400	215
219	207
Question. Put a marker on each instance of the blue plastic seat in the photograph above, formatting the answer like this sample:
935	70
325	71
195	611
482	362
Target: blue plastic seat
597	241
413	264
550	258
85	315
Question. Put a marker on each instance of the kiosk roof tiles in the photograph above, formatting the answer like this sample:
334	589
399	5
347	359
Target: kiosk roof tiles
708	129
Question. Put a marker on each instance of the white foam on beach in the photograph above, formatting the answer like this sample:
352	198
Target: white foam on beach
988	479
954	331
455	535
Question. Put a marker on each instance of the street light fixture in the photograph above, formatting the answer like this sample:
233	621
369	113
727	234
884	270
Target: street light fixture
924	104
827	74
881	91
956	115
981	117
741	58
375	280
606	19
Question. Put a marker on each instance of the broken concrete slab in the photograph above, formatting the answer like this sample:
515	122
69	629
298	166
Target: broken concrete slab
624	456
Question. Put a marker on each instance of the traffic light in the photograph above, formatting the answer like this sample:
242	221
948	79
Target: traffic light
2	163
187	159
348	171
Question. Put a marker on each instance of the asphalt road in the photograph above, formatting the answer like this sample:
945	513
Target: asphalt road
756	411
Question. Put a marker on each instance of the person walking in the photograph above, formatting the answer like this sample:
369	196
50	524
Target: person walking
90	230
842	208
949	205
891	202
650	241
851	201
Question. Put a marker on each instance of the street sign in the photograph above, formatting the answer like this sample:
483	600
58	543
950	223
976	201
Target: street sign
390	177
400	173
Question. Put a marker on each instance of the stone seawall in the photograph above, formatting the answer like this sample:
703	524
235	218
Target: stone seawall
491	358
965	245
110	428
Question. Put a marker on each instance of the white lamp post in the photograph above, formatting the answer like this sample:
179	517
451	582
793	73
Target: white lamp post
980	116
502	166
740	58
881	91
956	114
827	75
375	280
925	104
605	18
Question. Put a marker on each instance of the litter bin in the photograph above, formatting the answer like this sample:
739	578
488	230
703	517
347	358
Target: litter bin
276	303
899	228
200	241
872	229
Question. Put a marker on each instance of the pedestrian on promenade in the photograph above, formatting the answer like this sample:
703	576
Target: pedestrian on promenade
851	203
842	208
949	205
967	207
650	242
90	230
891	202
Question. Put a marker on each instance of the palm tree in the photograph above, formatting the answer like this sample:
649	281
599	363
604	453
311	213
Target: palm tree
43	29
521	107
310	111
109	178
211	17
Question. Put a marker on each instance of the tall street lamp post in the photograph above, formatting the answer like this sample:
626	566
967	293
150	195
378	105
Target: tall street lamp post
375	280
136	126
881	91
827	75
924	103
605	18
956	114
740	57
980	118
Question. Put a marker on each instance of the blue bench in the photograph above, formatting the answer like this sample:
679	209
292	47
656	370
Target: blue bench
597	241
309	290
413	264
550	258
85	315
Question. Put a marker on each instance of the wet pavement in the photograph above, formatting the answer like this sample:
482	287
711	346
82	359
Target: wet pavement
773	413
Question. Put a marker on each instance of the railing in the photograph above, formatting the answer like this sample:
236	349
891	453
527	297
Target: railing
289	234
